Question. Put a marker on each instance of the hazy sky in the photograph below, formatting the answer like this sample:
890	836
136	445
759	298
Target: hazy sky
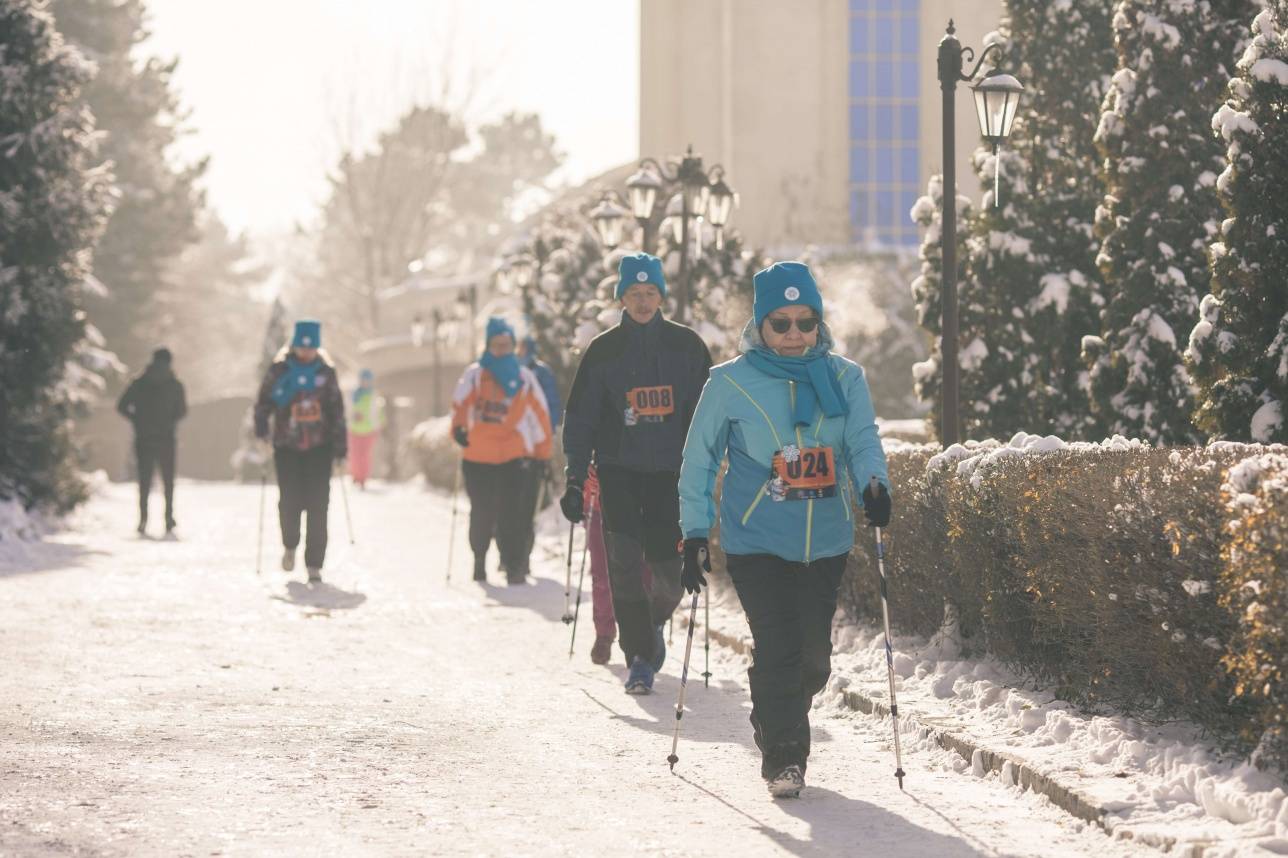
275	86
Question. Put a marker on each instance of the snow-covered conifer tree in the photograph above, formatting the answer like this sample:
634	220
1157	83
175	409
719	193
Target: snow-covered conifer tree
1035	254
1160	209
53	201
1238	351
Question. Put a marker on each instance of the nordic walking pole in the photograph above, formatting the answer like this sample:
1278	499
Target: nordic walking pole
259	544
567	614
348	520
451	539
684	681
706	634
581	576
885	616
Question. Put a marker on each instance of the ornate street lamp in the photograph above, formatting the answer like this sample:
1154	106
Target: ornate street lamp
609	218
696	188
643	188
996	104
997	96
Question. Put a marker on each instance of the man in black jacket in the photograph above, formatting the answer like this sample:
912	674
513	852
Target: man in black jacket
629	411
154	402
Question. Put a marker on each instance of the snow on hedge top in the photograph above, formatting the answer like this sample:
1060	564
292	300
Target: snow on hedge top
973	458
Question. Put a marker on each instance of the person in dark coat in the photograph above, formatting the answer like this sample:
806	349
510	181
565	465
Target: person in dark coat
301	395
155	403
628	412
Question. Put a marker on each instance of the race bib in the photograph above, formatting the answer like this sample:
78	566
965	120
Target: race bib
649	404
803	474
306	411
492	410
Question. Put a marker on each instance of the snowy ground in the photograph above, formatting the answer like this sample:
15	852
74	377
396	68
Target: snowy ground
160	699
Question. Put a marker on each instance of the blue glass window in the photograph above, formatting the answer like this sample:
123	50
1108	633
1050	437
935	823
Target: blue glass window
908	35
884	126
909	83
859	208
885	80
908	122
859	36
859	170
860	123
860	80
885	36
909	169
885	210
884	5
885	166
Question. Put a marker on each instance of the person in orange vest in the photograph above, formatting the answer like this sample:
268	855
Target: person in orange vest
366	419
501	421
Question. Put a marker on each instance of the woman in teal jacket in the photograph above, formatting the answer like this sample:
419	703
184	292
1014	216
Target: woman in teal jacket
796	423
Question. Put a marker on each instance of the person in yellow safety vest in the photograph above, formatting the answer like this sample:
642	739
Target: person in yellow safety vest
366	419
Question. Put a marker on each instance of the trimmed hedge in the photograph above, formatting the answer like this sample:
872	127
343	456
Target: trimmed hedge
1115	574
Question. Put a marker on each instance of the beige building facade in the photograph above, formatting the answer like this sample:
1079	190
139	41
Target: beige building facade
826	113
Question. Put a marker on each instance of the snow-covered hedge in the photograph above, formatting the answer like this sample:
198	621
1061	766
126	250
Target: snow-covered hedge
1114	573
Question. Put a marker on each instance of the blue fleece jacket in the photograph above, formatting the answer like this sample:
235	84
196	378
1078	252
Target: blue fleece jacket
746	414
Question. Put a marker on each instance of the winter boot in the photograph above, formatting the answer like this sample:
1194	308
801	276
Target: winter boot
787	782
315	574
480	568
640	680
170	525
659	649
143	527
288	560
602	651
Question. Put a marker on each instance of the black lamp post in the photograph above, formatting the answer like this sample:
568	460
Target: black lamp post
700	188
996	99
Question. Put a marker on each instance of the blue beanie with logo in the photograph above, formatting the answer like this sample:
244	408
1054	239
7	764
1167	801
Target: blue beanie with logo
497	325
640	268
782	284
308	334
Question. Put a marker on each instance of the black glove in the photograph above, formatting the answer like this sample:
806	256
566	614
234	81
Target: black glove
876	505
572	502
461	436
697	559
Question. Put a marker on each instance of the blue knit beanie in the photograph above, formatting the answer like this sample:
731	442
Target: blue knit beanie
640	268
497	325
308	334
784	283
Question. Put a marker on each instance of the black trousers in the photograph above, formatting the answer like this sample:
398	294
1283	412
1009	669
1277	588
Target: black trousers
497	510
151	452
641	520
789	607
535	473
304	487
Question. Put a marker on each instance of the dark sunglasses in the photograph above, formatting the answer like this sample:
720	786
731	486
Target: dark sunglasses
782	326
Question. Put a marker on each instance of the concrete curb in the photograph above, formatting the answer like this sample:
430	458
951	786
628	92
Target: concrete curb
1064	797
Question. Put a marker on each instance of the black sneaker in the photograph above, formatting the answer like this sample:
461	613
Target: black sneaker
787	783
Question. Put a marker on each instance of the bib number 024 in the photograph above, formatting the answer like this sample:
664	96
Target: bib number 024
807	473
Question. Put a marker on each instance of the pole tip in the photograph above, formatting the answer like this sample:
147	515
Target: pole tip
899	774
673	759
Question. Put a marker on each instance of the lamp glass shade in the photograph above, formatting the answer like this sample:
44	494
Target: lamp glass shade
997	97
610	230
521	271
721	204
696	197
643	187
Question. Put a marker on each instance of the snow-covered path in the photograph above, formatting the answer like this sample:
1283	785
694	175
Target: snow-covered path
156	698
